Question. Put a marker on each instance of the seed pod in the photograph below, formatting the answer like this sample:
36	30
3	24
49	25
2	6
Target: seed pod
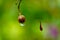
21	18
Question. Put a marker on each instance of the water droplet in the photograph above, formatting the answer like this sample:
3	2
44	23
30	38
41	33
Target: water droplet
41	27
21	24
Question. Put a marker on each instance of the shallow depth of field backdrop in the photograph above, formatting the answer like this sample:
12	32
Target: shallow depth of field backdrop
33	10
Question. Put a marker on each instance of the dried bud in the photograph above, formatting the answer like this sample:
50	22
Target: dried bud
21	18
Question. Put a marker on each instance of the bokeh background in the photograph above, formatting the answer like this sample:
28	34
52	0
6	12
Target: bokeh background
33	10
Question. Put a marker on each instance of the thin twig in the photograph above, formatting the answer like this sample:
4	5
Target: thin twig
19	2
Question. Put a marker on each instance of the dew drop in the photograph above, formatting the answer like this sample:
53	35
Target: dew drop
21	24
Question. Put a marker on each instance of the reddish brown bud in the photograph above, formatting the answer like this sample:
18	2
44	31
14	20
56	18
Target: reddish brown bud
21	19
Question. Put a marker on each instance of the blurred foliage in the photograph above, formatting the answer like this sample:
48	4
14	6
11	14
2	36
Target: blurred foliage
35	11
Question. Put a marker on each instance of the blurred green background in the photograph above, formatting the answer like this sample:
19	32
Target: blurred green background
33	10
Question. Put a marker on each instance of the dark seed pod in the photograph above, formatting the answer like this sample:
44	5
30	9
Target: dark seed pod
41	27
21	19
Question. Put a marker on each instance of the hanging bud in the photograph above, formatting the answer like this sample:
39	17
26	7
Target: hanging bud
21	18
41	27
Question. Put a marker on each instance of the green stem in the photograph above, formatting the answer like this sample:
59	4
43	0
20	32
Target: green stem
19	5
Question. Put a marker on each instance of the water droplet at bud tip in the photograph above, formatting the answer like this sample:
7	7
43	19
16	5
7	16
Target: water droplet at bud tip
21	24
